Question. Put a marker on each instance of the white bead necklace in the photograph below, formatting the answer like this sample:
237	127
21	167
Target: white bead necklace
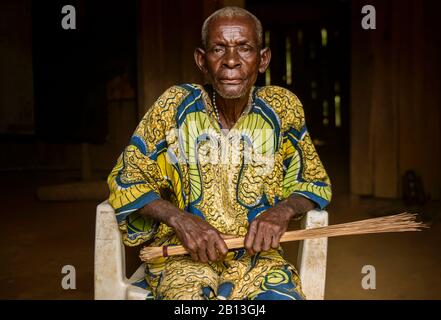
216	111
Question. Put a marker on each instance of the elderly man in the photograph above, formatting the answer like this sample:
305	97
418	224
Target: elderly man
224	159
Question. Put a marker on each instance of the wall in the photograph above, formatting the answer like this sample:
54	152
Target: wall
168	33
16	87
395	104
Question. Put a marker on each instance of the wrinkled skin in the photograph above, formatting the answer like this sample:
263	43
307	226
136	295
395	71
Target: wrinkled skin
231	62
202	241
233	57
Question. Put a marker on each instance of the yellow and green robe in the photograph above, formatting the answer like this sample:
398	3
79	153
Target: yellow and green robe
180	153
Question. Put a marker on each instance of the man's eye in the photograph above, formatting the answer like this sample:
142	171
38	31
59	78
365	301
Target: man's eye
218	50
245	49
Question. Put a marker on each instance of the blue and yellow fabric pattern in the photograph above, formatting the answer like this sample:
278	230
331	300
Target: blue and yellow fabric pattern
179	152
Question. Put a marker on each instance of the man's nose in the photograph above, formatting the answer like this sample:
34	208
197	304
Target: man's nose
231	58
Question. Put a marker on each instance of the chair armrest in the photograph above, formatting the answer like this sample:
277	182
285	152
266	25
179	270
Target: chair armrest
311	260
110	280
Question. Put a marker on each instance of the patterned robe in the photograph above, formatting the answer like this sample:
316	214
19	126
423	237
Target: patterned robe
179	152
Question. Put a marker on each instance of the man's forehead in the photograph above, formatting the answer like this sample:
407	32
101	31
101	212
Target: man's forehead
242	27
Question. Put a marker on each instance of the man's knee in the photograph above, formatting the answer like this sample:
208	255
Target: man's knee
184	279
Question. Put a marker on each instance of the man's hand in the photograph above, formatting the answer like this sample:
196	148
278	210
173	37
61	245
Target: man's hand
201	240
266	230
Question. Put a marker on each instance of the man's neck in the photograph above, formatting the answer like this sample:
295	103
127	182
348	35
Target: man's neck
230	110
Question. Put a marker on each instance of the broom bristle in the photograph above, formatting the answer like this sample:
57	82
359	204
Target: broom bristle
396	223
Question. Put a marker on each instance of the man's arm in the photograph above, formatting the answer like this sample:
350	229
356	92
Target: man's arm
201	240
305	185
138	179
265	231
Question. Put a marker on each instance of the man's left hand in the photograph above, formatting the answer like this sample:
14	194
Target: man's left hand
265	231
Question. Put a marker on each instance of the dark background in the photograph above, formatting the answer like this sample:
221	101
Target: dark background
70	99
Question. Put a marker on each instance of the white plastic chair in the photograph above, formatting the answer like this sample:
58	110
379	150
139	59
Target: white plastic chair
110	267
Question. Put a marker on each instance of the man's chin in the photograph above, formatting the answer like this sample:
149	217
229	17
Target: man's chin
230	93
231	96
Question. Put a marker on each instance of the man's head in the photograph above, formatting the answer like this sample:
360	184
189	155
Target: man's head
230	12
232	55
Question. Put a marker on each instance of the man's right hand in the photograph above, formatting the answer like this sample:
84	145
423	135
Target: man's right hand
202	241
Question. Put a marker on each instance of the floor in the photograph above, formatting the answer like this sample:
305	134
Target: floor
40	237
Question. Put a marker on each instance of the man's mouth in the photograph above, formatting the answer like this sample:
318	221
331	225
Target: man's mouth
230	81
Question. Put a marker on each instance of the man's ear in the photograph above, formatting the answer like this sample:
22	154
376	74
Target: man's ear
265	58
199	58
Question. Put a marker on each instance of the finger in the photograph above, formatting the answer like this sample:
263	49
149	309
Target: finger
202	253
211	251
194	256
267	241
249	238
258	240
191	249
275	242
222	248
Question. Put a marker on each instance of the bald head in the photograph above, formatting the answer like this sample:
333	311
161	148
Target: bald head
230	12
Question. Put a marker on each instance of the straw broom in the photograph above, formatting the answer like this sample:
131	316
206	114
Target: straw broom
396	223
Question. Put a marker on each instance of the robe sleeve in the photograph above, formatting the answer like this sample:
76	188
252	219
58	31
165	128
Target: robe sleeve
139	176
304	173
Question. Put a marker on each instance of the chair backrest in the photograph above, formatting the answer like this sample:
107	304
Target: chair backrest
312	256
110	266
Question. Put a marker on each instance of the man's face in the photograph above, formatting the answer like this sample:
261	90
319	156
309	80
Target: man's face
233	57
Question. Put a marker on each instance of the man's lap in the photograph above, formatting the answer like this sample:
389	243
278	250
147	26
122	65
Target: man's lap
265	276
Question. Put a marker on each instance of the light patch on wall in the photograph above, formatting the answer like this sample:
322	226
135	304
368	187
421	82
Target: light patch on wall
268	70
325	113
300	37
288	60
337	104
324	34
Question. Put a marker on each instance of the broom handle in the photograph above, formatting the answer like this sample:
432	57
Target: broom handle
397	223
235	243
